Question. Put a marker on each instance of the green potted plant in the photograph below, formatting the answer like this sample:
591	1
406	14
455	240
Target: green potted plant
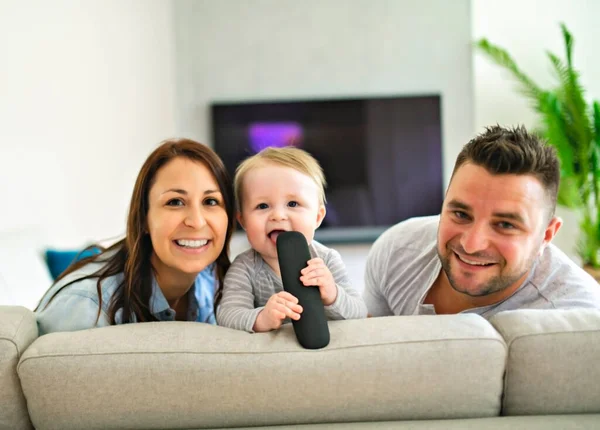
572	126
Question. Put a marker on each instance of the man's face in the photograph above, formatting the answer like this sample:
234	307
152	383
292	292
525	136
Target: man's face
492	228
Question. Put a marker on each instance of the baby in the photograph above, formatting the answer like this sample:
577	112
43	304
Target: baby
277	190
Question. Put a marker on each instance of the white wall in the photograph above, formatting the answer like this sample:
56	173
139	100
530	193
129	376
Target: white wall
527	29
285	49
86	92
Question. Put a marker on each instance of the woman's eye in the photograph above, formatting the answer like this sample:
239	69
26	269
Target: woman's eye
262	206
293	204
211	202
175	202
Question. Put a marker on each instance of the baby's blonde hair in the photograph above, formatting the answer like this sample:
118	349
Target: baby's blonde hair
288	156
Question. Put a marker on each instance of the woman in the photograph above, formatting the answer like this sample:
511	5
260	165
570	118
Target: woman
179	226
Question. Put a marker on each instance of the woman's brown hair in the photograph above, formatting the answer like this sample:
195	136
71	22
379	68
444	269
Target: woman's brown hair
131	255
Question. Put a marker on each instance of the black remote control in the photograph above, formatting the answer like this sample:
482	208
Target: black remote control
311	329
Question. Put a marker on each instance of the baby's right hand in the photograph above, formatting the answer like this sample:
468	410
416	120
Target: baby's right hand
279	307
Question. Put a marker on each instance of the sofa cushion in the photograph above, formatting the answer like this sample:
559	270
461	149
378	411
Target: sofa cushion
59	260
18	329
190	375
546	422
553	361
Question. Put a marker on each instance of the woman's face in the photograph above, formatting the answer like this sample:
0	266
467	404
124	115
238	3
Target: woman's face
187	220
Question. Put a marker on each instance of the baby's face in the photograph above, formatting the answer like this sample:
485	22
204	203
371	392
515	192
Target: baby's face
277	199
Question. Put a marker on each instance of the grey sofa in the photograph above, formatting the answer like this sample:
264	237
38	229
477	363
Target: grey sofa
522	369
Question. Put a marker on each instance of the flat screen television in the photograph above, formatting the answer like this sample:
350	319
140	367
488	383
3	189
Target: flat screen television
382	157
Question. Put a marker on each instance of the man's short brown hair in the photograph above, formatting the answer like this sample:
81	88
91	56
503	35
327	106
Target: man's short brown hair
514	151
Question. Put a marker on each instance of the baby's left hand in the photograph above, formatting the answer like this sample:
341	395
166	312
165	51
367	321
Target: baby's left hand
316	273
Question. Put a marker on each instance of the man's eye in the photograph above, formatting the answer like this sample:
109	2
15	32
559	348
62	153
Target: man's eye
461	215
175	202
505	225
262	206
293	204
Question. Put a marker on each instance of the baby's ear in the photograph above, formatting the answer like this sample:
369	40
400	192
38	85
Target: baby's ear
238	216
321	215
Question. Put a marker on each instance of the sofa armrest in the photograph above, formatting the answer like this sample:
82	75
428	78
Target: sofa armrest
553	361
18	329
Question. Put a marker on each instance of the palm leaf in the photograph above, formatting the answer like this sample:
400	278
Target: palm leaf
596	161
556	132
569	79
596	120
568	38
571	94
503	59
555	125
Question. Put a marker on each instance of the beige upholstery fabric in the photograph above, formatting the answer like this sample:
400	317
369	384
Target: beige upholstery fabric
553	363
553	422
190	375
18	329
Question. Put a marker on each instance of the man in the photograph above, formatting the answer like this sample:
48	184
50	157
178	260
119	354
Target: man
489	250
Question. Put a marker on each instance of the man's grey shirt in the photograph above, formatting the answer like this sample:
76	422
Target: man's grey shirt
403	264
250	282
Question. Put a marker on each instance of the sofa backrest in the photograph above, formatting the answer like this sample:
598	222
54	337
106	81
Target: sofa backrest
18	328
553	362
189	375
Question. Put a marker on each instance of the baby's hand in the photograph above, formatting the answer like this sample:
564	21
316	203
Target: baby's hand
278	307
316	273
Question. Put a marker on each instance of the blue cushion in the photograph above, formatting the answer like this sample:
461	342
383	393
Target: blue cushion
59	260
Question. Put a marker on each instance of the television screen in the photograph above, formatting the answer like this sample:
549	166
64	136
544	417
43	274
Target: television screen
382	157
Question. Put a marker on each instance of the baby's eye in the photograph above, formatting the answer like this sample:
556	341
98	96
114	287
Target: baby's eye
293	204
175	202
262	206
